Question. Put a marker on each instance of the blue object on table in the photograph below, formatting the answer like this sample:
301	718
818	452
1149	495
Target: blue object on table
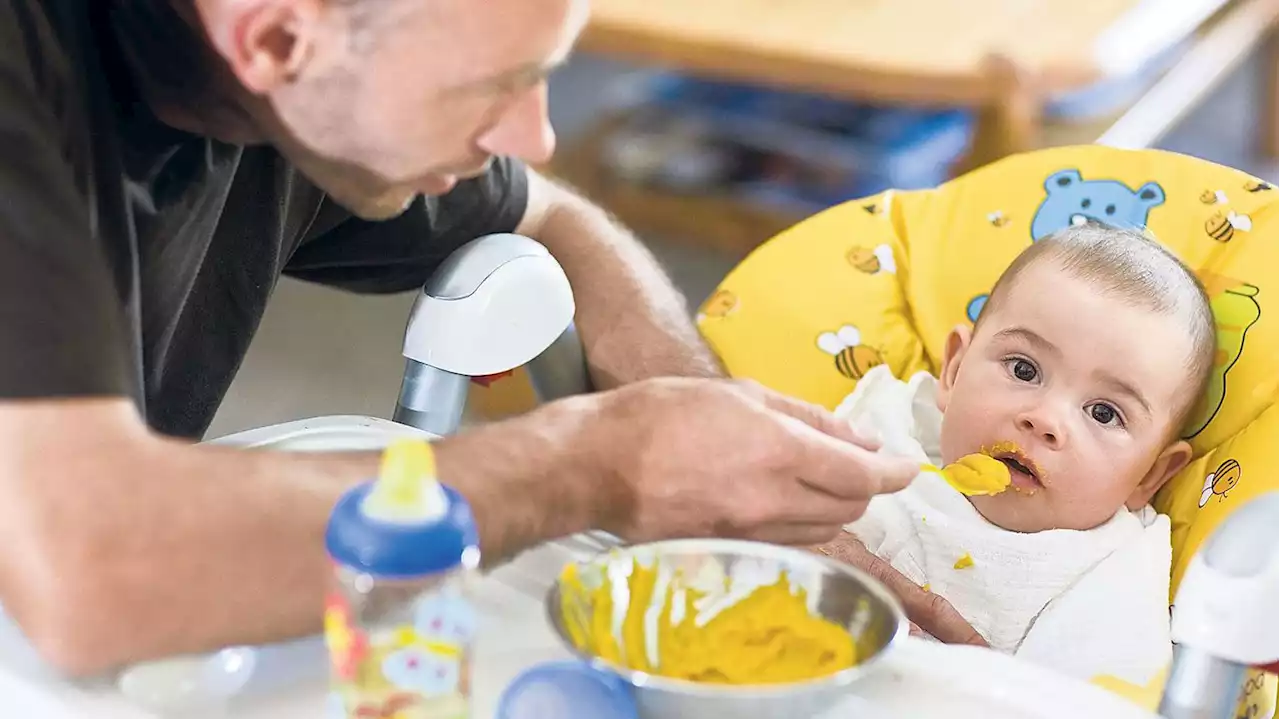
567	690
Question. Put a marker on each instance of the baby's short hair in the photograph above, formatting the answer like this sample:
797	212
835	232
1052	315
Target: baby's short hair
1134	268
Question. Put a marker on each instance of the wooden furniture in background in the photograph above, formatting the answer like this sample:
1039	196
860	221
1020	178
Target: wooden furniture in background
991	54
1269	96
1002	58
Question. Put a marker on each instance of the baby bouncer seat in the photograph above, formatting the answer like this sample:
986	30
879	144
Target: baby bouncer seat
883	279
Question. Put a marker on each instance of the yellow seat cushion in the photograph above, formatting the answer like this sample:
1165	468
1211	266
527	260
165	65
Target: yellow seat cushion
885	278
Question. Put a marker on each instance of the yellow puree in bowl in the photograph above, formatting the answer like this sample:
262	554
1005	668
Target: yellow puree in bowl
769	636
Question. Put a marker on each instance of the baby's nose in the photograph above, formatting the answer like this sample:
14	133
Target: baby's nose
1043	426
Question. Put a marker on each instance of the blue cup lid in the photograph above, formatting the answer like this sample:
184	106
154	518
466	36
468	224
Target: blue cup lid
401	550
567	690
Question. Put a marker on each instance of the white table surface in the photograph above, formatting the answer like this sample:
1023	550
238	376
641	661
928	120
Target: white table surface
514	636
918	679
915	679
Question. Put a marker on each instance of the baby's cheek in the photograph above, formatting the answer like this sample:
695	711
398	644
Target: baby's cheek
949	442
967	427
1087	496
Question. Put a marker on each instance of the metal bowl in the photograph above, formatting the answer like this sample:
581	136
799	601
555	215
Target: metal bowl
843	595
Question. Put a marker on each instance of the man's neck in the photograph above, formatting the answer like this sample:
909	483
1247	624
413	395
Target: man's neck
176	74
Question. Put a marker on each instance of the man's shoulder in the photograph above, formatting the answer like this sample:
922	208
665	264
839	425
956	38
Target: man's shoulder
42	80
38	42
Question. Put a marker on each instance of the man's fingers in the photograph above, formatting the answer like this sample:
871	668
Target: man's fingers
844	469
931	612
818	418
832	456
813	505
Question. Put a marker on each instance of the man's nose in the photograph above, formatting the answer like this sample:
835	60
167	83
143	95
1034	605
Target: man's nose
524	129
1045	424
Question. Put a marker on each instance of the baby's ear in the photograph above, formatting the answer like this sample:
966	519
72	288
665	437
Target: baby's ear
1171	461
957	344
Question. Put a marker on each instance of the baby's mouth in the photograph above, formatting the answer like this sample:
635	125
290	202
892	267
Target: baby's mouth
1024	473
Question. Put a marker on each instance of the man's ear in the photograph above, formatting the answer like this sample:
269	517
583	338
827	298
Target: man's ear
1171	461
265	43
952	354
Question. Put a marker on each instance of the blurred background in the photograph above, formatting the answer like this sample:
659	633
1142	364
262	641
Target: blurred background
709	126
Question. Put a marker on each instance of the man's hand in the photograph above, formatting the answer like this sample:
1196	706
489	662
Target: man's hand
929	613
687	457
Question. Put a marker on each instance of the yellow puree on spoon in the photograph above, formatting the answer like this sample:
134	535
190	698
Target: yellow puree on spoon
974	474
767	637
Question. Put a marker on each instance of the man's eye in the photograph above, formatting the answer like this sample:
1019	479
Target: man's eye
1023	370
1103	413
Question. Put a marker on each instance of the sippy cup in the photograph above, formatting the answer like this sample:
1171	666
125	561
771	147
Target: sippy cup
397	620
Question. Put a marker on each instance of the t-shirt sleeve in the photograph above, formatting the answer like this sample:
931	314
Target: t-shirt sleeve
61	320
400	254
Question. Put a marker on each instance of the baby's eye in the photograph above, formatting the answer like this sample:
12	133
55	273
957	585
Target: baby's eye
1023	370
1104	414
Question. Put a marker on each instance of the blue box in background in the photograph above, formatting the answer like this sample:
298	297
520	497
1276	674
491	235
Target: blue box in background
795	151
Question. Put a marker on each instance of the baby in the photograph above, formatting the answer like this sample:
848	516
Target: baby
1086	360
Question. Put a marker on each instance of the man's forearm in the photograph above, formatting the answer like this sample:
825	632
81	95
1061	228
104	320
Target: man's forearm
171	548
633	322
532	478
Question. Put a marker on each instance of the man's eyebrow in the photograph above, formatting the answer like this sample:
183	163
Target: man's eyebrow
531	70
1123	387
527	74
1029	337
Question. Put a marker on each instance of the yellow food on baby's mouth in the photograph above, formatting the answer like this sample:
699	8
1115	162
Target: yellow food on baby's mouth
768	636
975	474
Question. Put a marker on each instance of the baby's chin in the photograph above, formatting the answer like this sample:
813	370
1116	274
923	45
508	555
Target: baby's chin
1029	512
1016	510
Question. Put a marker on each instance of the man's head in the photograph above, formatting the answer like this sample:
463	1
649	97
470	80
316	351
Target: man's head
1082	367
377	101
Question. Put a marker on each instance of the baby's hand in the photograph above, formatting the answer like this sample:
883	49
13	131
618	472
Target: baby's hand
930	615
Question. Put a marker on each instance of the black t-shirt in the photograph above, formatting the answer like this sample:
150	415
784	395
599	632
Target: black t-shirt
137	260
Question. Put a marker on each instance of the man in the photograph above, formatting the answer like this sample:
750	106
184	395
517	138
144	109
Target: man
164	161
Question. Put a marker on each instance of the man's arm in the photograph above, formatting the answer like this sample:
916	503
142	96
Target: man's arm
117	545
633	322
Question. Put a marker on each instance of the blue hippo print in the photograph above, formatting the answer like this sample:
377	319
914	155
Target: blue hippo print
1072	200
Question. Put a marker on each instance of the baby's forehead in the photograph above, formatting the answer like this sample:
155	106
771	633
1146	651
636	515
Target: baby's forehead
1046	282
1052	301
1065	289
1094	332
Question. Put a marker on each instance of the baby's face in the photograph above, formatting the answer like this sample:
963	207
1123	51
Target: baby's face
1076	387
